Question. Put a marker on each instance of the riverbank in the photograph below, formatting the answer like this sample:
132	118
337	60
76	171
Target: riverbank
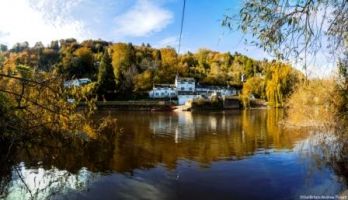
231	103
141	105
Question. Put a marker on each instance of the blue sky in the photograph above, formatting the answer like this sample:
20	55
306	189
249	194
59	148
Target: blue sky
150	21
156	22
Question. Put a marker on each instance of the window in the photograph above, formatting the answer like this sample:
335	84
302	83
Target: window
190	88
156	94
182	88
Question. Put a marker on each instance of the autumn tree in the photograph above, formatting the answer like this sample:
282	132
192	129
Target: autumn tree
143	81
202	59
187	65
254	86
123	62
281	82
166	72
295	30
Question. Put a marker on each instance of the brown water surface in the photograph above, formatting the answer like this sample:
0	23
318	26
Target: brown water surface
184	155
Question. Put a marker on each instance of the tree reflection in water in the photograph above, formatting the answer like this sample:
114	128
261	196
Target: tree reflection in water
42	183
158	143
326	148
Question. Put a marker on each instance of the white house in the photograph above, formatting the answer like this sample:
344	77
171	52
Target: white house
185	89
76	82
163	91
185	84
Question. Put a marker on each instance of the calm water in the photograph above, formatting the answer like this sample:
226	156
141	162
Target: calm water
231	155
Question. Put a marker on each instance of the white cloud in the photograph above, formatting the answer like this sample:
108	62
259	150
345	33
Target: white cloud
142	19
47	20
54	10
28	20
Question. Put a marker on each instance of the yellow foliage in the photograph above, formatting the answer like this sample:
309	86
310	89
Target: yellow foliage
253	86
314	103
281	82
40	104
89	130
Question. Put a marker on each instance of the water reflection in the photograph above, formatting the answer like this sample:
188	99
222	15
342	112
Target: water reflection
38	183
325	148
203	137
175	156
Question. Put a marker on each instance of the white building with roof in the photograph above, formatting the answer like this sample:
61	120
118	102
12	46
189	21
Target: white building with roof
77	82
185	89
185	84
163	91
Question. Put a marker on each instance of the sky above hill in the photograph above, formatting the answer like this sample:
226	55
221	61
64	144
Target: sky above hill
138	21
156	22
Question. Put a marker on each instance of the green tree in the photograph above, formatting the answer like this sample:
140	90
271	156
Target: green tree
2	59
3	48
54	45
48	58
106	78
85	62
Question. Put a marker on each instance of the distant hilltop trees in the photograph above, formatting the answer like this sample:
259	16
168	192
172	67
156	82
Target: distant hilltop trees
137	67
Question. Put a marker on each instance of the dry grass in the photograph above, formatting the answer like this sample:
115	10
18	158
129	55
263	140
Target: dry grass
314	103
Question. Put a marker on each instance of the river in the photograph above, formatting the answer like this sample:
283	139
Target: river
180	155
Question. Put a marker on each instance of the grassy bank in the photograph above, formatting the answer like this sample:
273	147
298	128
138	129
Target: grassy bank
315	103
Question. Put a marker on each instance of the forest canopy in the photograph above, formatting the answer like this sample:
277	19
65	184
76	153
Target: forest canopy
125	71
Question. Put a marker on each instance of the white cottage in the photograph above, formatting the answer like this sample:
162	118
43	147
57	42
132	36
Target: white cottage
77	82
185	84
185	89
163	91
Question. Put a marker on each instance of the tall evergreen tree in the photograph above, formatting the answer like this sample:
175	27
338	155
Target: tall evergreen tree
106	77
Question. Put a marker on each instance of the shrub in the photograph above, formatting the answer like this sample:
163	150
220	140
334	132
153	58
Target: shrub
314	103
